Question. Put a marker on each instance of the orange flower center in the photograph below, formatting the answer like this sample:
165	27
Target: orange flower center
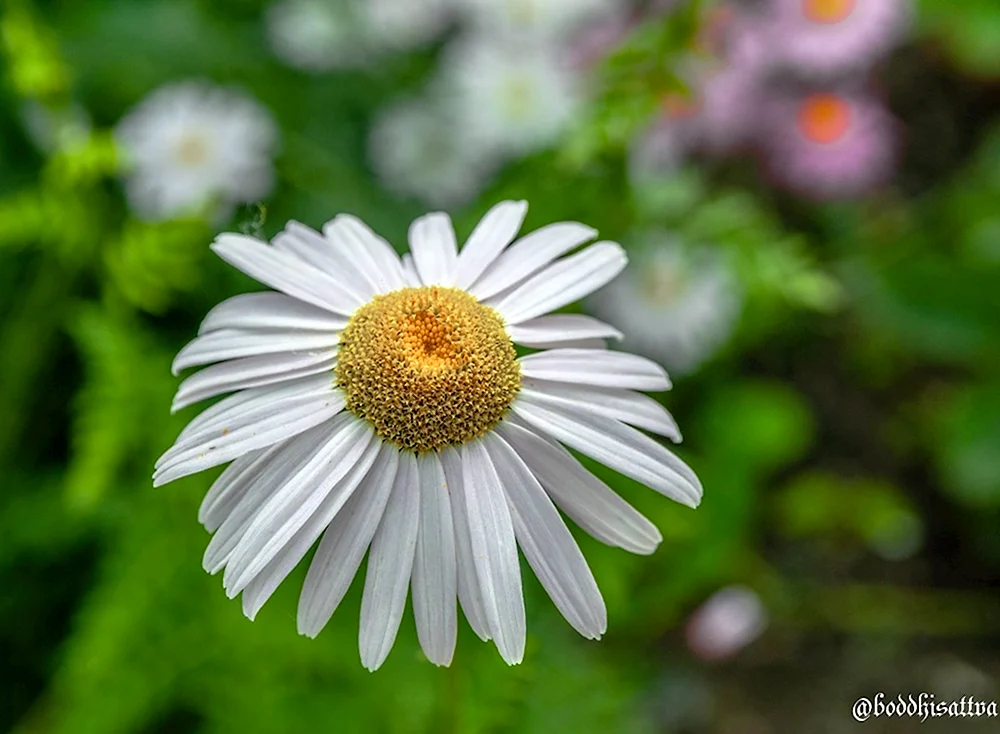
827	11
824	118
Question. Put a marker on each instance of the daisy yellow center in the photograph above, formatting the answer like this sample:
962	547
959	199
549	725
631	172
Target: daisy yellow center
824	118
427	367
827	11
192	150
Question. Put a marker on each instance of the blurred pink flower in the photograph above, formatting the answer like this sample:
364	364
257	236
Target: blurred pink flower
832	36
829	144
726	623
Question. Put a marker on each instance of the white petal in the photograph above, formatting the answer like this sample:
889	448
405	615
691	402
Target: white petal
310	246
593	505
302	501
344	544
236	406
547	331
615	445
267	580
270	475
547	543
629	407
494	551
495	231
255	430
218	346
469	595
563	282
284	272
270	311
529	254
372	254
410	271
240	374
434	567
435	255
227	491
601	368
390	563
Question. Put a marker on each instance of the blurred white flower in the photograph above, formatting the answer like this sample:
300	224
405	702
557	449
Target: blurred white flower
548	18
678	303
510	98
417	150
319	35
191	144
403	24
730	620
316	35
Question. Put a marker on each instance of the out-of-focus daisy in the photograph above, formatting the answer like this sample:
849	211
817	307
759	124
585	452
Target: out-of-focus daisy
318	35
829	144
402	24
550	19
417	149
726	623
191	144
831	36
511	99
678	305
379	403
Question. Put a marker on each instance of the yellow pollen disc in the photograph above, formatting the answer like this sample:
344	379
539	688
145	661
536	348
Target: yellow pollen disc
427	367
827	11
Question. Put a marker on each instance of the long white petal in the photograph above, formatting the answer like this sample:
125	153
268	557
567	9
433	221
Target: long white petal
246	408
563	282
435	254
269	477
629	407
547	543
372	254
615	445
241	374
469	595
225	344
547	331
494	550
410	271
593	505
284	272
344	544
227	491
434	566
314	248
267	580
302	501
234	407
281	422
528	255
602	368
495	231
270	310
390	564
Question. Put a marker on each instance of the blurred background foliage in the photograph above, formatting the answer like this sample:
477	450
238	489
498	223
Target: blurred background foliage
846	424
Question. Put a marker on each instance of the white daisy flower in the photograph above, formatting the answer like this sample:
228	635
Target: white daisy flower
317	35
403	24
540	18
191	144
417	150
379	403
678	305
513	99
